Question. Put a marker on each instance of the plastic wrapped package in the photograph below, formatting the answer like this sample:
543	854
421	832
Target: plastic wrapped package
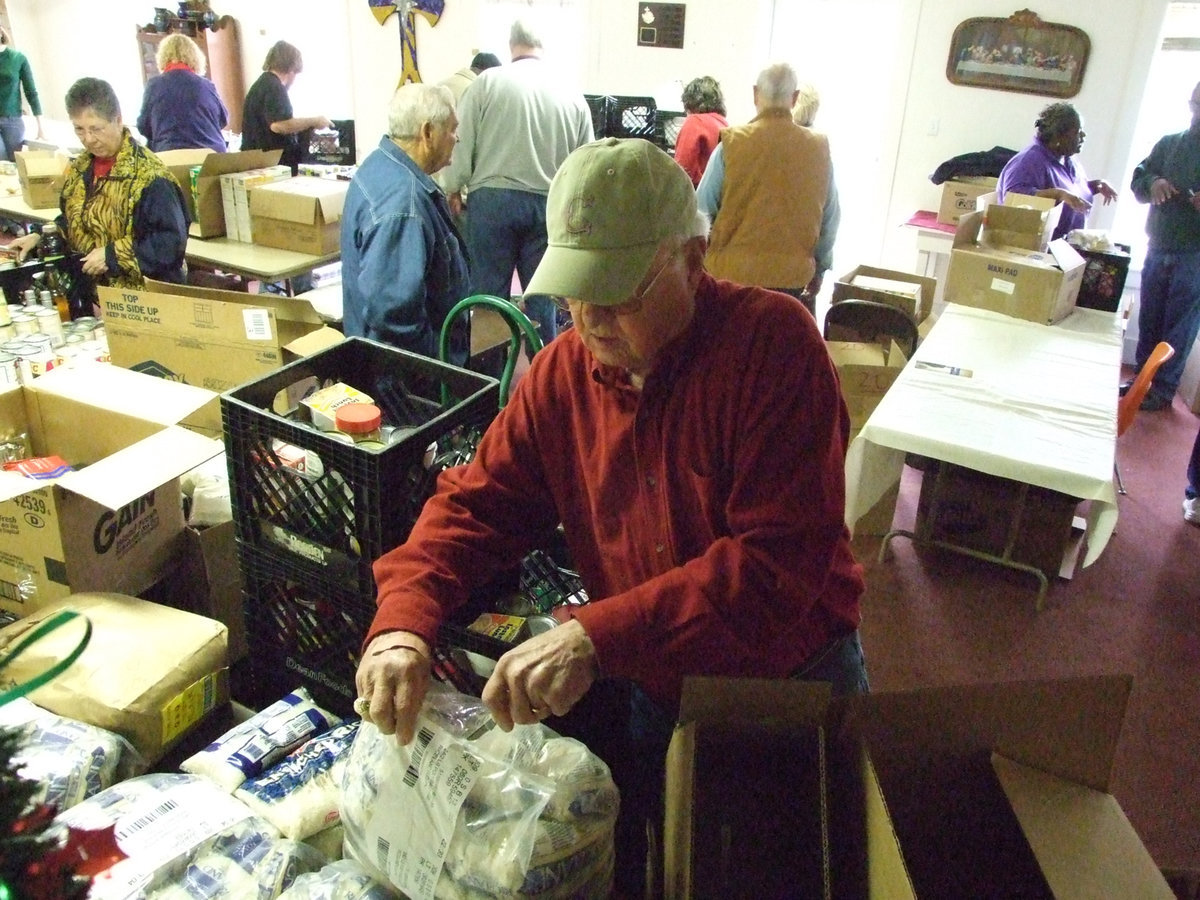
329	840
468	811
251	747
68	760
299	794
341	880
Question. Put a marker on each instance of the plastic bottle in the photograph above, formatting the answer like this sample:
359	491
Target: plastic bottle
60	296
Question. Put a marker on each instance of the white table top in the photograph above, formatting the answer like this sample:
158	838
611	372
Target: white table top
252	260
1039	406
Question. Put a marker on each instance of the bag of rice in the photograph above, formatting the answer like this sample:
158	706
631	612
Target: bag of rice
253	746
341	880
68	760
467	810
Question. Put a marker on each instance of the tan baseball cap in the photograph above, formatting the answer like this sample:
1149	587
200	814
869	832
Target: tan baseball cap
611	203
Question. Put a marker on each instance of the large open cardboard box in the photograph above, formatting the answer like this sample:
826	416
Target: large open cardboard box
115	523
992	790
1022	220
303	214
209	337
208	212
41	174
869	283
1027	284
959	195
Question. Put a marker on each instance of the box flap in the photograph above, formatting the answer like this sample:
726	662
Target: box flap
127	392
967	232
142	467
300	200
1080	836
222	163
184	159
39	164
1065	255
319	339
1067	727
291	309
769	702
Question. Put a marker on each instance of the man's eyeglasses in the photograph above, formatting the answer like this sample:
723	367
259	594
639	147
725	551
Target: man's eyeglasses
629	307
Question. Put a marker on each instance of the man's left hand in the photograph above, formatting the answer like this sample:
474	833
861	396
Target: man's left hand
95	263
544	675
814	286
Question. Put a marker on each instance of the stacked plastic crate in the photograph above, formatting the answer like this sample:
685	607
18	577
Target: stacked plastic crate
313	512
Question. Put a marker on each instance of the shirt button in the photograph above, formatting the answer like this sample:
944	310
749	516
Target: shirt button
651	480
659	548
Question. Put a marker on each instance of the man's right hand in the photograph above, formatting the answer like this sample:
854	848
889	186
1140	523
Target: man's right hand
455	201
1161	191
393	677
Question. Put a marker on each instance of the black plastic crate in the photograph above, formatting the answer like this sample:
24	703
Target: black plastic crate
600	106
300	631
337	507
668	123
1103	280
332	146
633	117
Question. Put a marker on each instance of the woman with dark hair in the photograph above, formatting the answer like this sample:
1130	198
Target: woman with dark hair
701	130
1046	169
180	107
123	214
267	119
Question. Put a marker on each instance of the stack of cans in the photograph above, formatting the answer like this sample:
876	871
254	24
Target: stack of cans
26	353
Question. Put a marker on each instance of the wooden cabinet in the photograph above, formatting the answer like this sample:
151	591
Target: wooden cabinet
222	51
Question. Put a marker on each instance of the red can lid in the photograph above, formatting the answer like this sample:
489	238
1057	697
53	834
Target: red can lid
357	418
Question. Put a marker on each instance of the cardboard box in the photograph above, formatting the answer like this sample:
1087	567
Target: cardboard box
41	174
746	791
1027	284
995	790
180	164
206	579
150	673
114	523
866	283
209	337
208	219
959	195
303	214
1021	220
980	511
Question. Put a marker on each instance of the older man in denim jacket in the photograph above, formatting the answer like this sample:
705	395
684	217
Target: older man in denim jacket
403	262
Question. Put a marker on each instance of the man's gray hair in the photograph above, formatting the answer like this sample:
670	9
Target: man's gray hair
416	103
522	35
776	84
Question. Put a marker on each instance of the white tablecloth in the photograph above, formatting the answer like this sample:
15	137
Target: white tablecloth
1031	402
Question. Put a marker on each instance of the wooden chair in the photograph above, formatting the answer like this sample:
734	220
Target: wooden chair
1127	406
871	322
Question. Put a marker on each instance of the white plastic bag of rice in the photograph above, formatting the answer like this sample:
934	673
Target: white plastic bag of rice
468	811
251	747
69	760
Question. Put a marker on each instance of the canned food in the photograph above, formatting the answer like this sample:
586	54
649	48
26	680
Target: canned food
25	355
93	351
10	372
24	323
7	332
539	623
5	313
50	324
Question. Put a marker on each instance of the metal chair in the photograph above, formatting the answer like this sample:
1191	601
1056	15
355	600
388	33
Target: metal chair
872	322
1127	406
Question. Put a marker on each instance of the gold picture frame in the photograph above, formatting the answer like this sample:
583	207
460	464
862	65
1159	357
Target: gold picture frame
1021	53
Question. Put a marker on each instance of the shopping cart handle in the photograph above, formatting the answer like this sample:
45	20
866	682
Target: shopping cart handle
518	325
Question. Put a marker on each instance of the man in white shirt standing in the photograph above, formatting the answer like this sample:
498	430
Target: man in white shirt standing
516	126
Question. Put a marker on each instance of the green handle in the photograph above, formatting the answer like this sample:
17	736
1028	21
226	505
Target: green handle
518	325
54	622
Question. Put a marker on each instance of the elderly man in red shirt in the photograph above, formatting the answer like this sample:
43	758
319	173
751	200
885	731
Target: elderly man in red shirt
689	434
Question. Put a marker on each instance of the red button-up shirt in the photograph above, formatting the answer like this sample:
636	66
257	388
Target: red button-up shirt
704	513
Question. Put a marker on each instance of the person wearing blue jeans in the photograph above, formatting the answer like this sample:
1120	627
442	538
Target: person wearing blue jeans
506	229
1169	306
1191	503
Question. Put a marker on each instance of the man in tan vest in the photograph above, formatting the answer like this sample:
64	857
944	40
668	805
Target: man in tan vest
769	190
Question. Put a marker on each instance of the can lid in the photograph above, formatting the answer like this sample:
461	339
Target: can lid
358	418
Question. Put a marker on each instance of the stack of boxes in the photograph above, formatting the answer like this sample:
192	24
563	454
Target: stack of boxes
235	198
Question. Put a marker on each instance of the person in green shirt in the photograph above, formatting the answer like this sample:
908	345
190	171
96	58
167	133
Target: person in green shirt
15	76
